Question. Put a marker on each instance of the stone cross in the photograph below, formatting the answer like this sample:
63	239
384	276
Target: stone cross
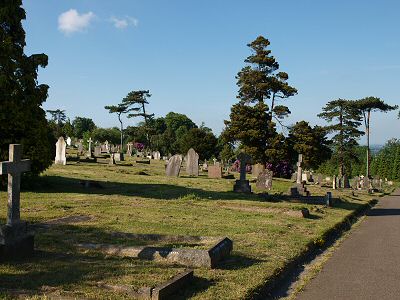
90	145
14	167
299	169
244	159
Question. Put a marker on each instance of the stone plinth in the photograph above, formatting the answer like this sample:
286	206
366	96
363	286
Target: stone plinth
16	241
242	186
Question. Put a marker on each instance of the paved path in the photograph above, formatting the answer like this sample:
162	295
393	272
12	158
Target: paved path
367	263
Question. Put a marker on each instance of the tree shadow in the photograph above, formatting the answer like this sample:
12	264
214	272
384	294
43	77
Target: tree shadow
375	212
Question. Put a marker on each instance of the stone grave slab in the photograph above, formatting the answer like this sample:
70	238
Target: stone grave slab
61	147
264	180
214	171
192	163
174	166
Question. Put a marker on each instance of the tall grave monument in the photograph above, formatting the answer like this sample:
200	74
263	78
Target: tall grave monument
192	163
61	147
242	185
299	178
15	238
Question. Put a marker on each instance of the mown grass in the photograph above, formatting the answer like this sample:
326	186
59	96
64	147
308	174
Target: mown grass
267	230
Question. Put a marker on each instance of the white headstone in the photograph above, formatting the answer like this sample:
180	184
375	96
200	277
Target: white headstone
61	146
69	141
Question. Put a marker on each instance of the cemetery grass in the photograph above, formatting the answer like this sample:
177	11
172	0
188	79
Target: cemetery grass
267	231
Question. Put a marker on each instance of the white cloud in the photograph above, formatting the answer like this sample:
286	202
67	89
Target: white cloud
71	21
125	22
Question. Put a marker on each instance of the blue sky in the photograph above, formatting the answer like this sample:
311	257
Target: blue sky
187	53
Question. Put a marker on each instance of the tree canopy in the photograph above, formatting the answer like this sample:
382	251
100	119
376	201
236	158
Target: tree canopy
22	120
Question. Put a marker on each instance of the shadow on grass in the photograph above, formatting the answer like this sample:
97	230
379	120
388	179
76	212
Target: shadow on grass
59	184
59	265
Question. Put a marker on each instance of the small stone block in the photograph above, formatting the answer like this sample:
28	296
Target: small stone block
305	212
242	186
167	289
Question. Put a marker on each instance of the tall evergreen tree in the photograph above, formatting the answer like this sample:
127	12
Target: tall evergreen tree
366	106
311	142
137	101
346	118
22	119
261	86
120	109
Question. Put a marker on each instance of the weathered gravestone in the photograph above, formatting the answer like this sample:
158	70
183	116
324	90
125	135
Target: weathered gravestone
174	166
205	166
129	149
97	150
264	180
80	147
192	163
118	156
15	238
299	178
61	147
242	185
112	159
257	169
69	141
157	155
214	172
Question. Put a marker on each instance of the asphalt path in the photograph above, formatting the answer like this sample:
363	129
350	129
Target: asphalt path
367	263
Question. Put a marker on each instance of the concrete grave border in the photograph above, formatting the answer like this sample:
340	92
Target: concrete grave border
181	256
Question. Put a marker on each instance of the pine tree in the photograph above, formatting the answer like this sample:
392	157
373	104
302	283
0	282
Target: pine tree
347	119
250	122
22	119
366	106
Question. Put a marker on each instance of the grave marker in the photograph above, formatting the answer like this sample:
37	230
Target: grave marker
192	163
61	147
264	180
174	166
242	185
299	169
15	239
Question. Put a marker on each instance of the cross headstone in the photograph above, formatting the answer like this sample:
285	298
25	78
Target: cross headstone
89	154
192	163
61	147
242	185
299	169
14	236
14	167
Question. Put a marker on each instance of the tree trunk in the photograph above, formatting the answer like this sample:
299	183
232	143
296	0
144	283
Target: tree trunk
368	151
122	135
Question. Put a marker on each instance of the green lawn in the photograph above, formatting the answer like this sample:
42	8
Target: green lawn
267	232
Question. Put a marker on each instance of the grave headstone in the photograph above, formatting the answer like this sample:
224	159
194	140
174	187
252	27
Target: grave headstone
215	161
79	145
205	166
112	159
242	185
118	156
129	149
192	163
174	166
257	169
157	155
89	153
334	186
106	147
299	169
264	180
214	172
69	141
61	147
97	150
15	237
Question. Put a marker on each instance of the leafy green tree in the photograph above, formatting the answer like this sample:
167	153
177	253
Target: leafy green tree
347	119
201	140
175	120
82	125
22	120
120	109
57	122
68	129
366	106
311	142
111	135
249	126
